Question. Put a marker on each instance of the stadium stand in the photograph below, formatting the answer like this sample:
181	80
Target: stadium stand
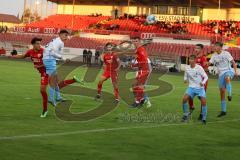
93	43
65	21
135	26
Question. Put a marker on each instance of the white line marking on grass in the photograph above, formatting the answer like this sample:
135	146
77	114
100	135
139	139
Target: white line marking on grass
102	130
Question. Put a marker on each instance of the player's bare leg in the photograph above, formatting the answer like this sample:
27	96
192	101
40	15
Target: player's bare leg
52	86
200	115
67	82
100	83
116	91
57	90
223	102
204	109
185	108
229	88
43	90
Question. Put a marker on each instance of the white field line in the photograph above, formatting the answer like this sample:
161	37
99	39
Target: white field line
102	130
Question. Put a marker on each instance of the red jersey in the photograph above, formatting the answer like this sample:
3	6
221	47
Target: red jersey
36	58
111	61
202	61
142	59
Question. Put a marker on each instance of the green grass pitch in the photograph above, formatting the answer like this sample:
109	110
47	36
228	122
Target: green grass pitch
24	135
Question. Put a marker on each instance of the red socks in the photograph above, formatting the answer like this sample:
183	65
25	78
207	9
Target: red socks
65	83
45	100
99	88
139	93
190	102
116	93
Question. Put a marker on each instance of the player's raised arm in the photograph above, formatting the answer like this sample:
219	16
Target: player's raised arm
19	56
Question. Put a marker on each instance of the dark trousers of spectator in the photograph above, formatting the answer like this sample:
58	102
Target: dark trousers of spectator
89	61
85	59
96	60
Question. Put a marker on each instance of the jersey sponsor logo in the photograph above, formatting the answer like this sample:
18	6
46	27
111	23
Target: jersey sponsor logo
36	60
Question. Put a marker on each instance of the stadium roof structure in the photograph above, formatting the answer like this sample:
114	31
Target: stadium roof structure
9	18
200	3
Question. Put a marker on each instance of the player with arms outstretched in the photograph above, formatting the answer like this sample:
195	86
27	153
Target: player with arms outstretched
36	55
223	61
111	64
53	52
197	78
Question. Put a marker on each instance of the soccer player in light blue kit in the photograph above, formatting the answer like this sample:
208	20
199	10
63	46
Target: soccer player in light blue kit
196	77
52	52
223	61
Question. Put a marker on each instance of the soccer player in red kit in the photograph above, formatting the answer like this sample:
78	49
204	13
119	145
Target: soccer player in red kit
143	72
111	67
36	55
201	60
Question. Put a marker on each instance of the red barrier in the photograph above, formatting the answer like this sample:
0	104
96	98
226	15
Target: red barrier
36	30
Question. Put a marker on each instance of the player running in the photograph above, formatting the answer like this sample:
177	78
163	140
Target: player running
143	72
111	67
197	78
36	55
201	60
223	60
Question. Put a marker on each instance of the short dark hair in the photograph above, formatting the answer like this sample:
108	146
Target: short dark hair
220	44
35	39
63	31
200	45
192	56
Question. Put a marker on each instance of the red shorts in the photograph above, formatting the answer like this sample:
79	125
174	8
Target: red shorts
44	78
112	75
142	77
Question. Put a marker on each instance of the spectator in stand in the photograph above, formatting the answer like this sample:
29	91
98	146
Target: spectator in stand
226	28
1	29
89	57
85	52
14	52
97	54
2	51
116	13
